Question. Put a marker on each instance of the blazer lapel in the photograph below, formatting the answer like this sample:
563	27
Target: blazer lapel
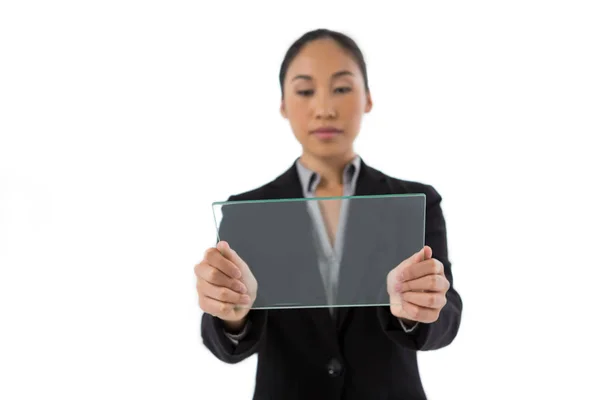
288	186
285	186
370	182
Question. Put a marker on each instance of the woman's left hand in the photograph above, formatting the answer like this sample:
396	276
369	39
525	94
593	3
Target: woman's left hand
417	288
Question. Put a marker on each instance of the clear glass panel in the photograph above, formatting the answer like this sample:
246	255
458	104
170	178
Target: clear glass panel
323	252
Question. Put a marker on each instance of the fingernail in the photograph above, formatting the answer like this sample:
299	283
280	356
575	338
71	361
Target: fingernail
241	288
245	299
398	287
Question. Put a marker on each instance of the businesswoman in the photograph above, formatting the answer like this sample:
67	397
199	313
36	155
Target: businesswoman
359	353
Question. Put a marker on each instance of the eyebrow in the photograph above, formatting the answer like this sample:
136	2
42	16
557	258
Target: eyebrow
336	75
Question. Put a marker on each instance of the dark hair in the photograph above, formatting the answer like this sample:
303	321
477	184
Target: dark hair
343	40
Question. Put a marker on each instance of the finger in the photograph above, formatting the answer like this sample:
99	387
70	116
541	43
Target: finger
418	270
420	314
429	283
215	307
217	260
221	293
424	299
216	277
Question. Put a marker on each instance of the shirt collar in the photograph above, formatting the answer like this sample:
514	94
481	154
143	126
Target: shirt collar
310	179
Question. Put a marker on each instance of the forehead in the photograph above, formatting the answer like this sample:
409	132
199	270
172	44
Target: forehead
322	58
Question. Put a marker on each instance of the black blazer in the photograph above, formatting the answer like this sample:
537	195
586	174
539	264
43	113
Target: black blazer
365	354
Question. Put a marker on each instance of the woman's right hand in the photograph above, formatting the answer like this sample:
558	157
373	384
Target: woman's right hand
226	286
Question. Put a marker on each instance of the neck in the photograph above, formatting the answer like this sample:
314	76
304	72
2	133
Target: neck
331	169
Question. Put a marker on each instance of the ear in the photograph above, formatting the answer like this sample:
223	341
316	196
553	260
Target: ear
282	109
369	103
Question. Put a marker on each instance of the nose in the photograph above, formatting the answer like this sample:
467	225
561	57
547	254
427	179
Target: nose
324	107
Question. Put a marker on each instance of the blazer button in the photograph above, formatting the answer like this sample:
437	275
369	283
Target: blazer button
334	368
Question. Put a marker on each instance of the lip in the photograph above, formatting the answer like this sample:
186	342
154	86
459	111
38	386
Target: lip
326	129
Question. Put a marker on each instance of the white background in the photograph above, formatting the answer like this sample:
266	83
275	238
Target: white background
122	121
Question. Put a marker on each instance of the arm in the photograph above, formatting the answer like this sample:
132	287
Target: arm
430	336
226	345
218	341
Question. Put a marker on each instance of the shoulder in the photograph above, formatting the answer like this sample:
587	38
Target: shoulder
259	193
401	186
270	190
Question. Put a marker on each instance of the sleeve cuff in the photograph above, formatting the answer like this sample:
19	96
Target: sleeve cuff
236	337
410	328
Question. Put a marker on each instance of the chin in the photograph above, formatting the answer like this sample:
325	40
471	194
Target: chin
325	151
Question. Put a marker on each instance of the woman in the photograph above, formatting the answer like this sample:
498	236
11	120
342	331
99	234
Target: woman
364	352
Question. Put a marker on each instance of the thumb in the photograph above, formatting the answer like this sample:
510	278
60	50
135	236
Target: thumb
224	249
421	255
428	253
230	254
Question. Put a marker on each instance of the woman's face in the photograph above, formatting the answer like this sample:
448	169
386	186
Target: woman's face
325	99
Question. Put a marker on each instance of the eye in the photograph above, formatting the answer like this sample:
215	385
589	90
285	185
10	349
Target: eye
342	90
305	93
